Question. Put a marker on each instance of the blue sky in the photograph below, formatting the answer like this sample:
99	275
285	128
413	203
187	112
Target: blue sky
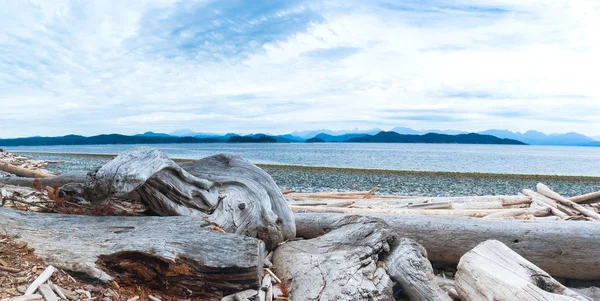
90	67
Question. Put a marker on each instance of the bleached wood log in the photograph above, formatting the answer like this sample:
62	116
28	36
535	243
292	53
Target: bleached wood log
563	249
540	201
179	250
368	211
492	271
408	265
545	190
23	172
516	212
47	293
41	279
341	265
70	177
585	197
226	189
33	297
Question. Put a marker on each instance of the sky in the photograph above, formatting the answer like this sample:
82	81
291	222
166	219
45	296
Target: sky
91	67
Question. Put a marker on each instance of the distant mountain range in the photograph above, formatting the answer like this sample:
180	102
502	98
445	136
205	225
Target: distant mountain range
396	135
471	138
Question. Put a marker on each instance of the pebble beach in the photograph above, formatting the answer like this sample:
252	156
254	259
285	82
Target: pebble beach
406	183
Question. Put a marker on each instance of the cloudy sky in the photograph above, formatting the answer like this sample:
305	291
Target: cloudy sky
90	67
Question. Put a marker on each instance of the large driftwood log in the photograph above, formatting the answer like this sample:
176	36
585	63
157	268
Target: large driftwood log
408	265
341	265
563	249
492	271
183	252
230	191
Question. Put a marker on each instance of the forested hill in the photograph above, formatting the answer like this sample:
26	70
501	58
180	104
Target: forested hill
472	138
102	139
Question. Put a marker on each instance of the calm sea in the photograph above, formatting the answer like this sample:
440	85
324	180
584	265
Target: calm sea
509	159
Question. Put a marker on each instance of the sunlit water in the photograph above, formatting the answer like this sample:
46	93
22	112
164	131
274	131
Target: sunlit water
508	159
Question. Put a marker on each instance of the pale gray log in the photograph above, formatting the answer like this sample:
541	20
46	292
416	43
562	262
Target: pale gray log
563	249
47	293
342	265
70	177
230	191
408	265
180	250
492	271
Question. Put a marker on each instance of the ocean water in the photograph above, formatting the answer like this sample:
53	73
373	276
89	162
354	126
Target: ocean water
506	159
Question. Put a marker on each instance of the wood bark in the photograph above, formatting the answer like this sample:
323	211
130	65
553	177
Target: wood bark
23	172
229	191
408	265
492	271
185	252
343	264
563	249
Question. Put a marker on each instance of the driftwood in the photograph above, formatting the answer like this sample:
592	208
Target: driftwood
563	249
408	265
586	197
70	177
492	271
545	190
185	252
229	191
344	264
542	202
396	211
23	172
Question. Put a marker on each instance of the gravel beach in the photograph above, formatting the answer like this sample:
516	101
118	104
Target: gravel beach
320	179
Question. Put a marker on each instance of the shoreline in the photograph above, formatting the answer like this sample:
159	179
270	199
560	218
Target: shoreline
426	173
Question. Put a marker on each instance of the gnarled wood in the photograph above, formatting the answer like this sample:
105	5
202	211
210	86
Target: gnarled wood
492	271
563	249
183	251
341	265
408	265
230	191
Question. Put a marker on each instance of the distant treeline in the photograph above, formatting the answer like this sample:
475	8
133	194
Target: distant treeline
101	139
250	139
472	138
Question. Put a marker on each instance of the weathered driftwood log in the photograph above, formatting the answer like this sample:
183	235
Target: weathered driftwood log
185	252
23	172
396	211
492	271
563	249
70	177
545	190
586	197
344	264
408	265
230	191
543	202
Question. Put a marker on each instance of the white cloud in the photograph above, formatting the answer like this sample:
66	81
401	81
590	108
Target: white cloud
131	66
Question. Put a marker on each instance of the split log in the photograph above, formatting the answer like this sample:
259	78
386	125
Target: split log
545	190
563	249
228	190
183	251
23	172
408	265
492	271
342	265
